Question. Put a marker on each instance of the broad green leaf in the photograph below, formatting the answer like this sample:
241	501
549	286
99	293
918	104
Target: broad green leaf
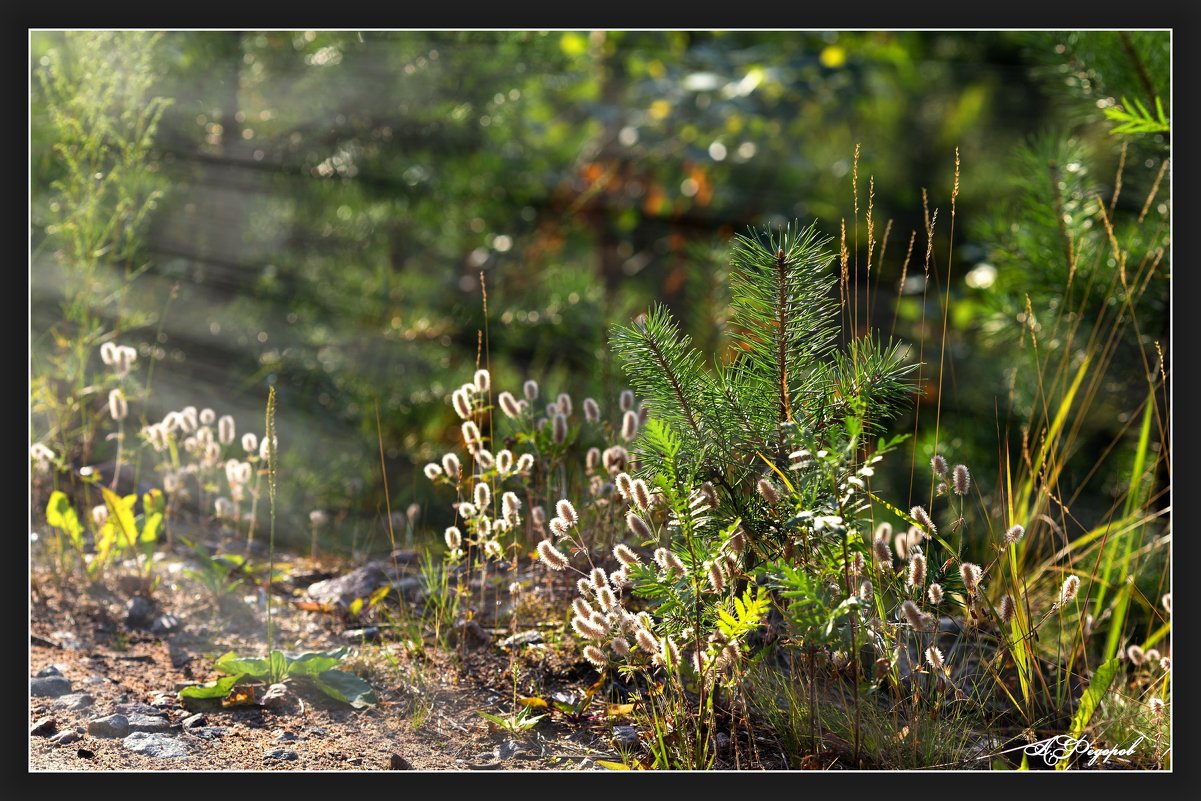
230	664
214	689
313	663
61	515
346	687
277	663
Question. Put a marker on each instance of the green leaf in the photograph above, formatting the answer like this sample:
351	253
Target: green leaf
1097	688
230	664
313	663
346	687
121	510
214	689
277	663
61	515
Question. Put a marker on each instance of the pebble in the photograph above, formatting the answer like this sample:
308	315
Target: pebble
194	721
75	702
66	737
156	745
49	686
397	762
625	737
94	679
354	636
137	709
522	638
109	726
84	753
208	732
149	724
282	753
165	624
43	727
276	696
139	613
52	670
287	736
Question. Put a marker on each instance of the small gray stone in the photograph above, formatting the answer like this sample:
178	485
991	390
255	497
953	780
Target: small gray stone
94	679
136	708
43	727
149	724
723	743
281	753
52	670
75	702
368	634
194	721
109	726
287	736
510	749
208	732
65	737
625	737
165	624
49	686
522	638
156	745
139	613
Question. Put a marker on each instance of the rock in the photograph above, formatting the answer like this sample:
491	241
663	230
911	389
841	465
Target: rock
354	636
156	745
474	634
109	726
511	749
139	613
625	737
165	624
43	727
75	702
65	737
276	697
521	638
208	732
287	736
723	743
94	679
354	760
84	753
281	753
49	686
359	583
52	670
135	708
149	724
194	721
67	640
397	762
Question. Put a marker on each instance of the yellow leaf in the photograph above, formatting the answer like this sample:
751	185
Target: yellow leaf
618	710
833	57
242	695
532	703
356	606
609	765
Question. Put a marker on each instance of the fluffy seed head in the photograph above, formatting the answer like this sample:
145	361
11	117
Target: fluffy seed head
914	615
1165	663
625	554
935	594
1156	706
485	458
882	553
567	512
530	390
592	459
471	433
551	556
1067	593
117	407
510	505
190	418
1152	655
564	404
1014	534
646	640
1008	609
525	463
917	571
627	400
641	494
934	658
669	653
599	578
1136	656
606	598
624	485
919	514
588	628
865	589
614	459
768	491
451	466
971	575
108	354
483	381
883	531
591	410
433	471
224	507
939	466
461	402
454	538
483	495
857	564
629	426
582	608
961	480
584	586
508	405
250	442
637	525
668	561
559	429
716	580
225	430
100	514
558	527
1167	603
468	510
493	549
620	646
